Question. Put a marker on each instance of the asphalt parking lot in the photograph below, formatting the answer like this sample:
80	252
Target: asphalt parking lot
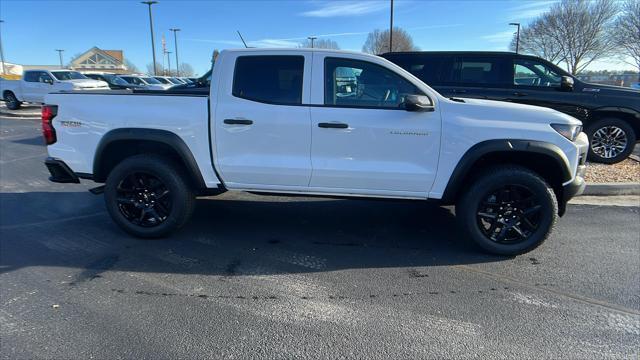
279	277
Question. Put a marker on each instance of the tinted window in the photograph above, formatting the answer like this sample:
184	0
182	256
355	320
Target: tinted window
270	79
68	75
432	70
32	76
482	70
364	84
163	80
533	73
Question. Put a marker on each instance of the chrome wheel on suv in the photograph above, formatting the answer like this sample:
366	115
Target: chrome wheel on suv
609	142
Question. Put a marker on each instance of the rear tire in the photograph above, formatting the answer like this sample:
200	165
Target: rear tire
508	210
611	140
148	196
12	101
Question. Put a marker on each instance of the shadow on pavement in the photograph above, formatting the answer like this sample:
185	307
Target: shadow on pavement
228	237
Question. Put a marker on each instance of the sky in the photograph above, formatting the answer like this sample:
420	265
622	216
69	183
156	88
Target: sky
32	30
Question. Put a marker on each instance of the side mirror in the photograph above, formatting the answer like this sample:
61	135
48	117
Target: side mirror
418	103
566	83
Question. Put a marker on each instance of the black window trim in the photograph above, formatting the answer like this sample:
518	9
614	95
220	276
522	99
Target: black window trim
235	69
324	94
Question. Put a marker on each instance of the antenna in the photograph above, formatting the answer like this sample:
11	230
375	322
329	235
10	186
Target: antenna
245	44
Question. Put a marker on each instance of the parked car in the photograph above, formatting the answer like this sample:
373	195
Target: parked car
35	84
201	85
148	82
635	85
271	128
114	81
610	114
167	80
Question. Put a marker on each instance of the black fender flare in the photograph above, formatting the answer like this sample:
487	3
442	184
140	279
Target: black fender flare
161	136
487	147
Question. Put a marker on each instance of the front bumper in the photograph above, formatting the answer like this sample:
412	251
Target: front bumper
60	172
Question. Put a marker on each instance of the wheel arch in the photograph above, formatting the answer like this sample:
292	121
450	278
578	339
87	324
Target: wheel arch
544	158
119	144
630	116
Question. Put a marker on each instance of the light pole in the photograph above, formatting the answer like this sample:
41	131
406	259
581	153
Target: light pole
1	52
391	29
60	55
312	38
175	43
153	45
517	36
169	62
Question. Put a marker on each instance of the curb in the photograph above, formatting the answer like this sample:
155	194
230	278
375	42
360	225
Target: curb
608	189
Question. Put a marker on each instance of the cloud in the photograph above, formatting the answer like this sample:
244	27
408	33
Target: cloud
346	8
501	36
529	10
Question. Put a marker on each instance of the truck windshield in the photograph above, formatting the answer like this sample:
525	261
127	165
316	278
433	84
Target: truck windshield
115	80
150	80
68	75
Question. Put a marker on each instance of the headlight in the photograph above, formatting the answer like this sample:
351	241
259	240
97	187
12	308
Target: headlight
571	132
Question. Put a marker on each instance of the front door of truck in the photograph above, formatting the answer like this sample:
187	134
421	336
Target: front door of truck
262	129
363	138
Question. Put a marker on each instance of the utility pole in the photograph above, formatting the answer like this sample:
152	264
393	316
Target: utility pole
1	52
169	61
517	36
153	45
60	55
175	41
312	38
391	29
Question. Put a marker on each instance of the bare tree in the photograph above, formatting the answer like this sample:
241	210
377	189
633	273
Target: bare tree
186	69
378	41
536	39
626	32
579	29
131	67
159	67
320	44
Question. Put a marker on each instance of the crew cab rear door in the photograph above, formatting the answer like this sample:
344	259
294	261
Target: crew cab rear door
36	85
262	129
364	141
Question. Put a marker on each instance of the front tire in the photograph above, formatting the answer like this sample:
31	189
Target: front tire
509	210
12	101
148	197
610	140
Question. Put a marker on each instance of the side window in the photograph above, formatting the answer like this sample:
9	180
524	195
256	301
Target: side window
432	70
533	73
483	71
31	76
45	78
364	84
270	79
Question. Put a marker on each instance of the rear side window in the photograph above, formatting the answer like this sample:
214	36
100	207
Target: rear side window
483	71
269	79
32	76
432	70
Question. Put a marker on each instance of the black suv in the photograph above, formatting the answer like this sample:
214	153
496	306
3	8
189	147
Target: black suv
610	114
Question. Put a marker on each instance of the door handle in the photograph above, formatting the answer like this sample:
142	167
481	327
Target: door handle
459	91
333	125
238	122
519	94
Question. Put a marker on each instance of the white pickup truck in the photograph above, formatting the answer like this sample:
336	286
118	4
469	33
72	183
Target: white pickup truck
322	123
35	84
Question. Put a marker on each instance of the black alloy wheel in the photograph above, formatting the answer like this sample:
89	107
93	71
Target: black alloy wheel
509	215
143	199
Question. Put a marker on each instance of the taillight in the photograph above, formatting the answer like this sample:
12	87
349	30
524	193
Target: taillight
49	133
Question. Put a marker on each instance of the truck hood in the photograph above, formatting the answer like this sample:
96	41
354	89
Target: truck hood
508	111
611	90
87	83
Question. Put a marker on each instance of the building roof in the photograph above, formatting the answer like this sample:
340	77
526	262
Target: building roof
116	54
